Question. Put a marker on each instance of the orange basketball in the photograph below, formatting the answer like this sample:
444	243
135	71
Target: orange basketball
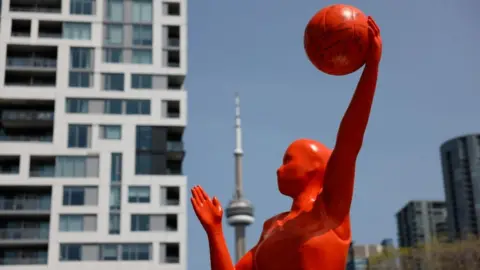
336	39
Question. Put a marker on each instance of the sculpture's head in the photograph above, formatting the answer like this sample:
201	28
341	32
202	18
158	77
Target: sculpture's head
303	167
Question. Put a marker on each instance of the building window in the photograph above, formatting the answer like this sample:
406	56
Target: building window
116	171
113	81
111	55
138	107
139	194
140	223
77	30
70	252
170	195
81	7
115	198
71	223
114	35
81	58
113	106
76	166
142	56
171	9
115	10
142	81
73	196
79	136
75	105
144	138
78	223
136	252
79	79
111	132
114	224
170	252
109	252
142	35
142	11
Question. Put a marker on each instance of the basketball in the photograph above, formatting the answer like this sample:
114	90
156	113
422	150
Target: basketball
336	39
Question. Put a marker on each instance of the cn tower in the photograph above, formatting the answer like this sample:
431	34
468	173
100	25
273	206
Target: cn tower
239	211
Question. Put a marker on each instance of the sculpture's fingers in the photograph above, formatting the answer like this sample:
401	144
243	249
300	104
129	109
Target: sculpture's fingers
203	194
197	195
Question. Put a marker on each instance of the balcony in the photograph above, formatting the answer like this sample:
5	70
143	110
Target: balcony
173	37
19	205
25	255
40	6
26	120
31	58
24	234
173	58
175	150
171	108
21	28
9	164
50	29
15	118
175	82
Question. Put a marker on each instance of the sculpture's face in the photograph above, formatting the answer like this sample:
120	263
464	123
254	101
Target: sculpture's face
303	160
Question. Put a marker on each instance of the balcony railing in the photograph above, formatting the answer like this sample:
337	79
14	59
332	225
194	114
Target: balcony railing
20	34
173	42
36	9
12	115
174	171
173	146
23	260
31	62
24	204
43	171
7	138
24	234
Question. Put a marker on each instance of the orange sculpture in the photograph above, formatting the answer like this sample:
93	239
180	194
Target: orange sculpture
315	233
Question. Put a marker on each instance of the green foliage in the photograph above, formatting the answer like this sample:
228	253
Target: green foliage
437	255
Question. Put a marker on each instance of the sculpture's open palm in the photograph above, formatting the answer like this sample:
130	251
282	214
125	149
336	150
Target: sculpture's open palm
208	211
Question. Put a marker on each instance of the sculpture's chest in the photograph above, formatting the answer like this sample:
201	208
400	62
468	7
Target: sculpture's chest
280	250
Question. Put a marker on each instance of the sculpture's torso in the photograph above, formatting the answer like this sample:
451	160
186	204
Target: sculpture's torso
280	249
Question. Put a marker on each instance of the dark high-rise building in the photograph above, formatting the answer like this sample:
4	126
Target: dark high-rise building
421	222
461	177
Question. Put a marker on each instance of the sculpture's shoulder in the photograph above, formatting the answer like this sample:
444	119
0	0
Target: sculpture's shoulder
269	222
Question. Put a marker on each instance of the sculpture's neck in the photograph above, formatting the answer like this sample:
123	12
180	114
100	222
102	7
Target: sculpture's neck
305	201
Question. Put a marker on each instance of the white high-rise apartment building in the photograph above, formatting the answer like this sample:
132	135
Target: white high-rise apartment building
92	113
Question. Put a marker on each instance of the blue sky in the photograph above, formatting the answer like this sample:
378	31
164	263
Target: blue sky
428	92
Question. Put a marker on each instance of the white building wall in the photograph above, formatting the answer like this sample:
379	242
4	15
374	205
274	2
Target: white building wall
103	148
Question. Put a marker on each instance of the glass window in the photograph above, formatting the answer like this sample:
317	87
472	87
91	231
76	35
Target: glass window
144	138
109	252
142	56
115	198
136	252
140	223
81	58
142	81
142	11
71	223
116	168
73	196
114	224
70	252
143	164
114	35
115	10
77	30
113	81
139	194
138	107
81	7
113	55
113	106
79	79
142	35
78	136
111	132
71	166
75	105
